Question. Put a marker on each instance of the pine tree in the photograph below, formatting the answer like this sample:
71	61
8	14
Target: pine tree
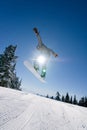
8	76
85	101
67	98
75	100
47	96
63	98
82	101
71	100
51	97
57	96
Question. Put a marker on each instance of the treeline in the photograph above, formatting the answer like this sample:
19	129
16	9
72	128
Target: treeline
8	76
70	99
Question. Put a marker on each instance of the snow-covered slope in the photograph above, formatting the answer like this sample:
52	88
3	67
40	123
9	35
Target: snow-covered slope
22	111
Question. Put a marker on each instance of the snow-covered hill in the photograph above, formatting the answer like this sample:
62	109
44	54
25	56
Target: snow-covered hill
22	111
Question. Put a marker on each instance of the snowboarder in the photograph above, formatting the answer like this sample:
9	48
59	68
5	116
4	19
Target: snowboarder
44	50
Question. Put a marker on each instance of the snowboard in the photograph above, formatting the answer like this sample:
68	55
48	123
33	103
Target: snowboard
29	66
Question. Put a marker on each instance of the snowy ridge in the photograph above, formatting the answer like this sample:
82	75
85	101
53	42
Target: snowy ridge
23	111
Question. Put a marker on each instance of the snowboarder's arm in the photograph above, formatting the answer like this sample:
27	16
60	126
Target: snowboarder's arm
53	53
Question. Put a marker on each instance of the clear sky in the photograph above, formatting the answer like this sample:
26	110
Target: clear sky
63	27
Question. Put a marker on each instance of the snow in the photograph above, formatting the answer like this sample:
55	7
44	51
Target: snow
25	111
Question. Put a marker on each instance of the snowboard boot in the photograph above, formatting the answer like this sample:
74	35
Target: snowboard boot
36	67
43	73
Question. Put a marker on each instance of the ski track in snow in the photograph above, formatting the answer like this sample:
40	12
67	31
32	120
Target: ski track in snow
23	111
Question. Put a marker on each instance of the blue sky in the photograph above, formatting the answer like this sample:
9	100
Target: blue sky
63	27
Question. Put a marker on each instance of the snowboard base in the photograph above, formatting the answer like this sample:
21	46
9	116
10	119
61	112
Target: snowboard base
29	66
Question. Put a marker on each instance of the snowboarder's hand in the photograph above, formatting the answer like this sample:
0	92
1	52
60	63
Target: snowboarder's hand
56	55
36	30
